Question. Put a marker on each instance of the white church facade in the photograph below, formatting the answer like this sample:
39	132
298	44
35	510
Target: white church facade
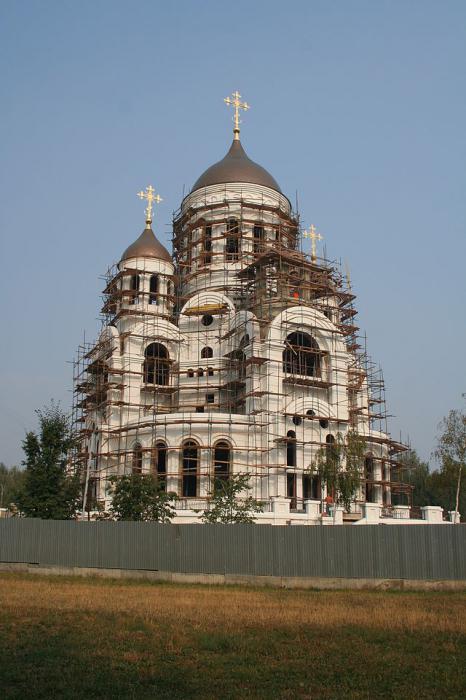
238	353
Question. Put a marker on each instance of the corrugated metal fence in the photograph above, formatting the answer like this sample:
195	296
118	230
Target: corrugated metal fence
422	552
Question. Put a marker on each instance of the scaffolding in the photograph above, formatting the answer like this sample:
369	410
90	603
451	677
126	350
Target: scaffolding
231	371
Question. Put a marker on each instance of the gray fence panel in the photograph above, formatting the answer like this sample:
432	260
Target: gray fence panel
397	551
19	544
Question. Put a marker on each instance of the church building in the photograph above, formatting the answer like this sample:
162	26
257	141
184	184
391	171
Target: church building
237	352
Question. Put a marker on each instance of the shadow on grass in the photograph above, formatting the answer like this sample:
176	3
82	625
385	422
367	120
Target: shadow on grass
80	655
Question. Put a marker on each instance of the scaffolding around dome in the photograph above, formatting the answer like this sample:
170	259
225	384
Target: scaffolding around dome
244	357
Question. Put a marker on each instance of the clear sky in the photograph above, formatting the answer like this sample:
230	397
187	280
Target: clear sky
359	106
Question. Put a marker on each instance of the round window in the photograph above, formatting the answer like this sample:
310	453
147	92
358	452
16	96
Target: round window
297	420
323	423
310	413
207	320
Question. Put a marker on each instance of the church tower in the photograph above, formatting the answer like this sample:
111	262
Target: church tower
240	356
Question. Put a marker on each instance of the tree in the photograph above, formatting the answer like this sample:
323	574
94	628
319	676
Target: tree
451	452
49	491
339	466
416	473
228	502
141	497
11	480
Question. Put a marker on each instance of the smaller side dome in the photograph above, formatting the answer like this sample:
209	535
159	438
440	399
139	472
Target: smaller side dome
147	246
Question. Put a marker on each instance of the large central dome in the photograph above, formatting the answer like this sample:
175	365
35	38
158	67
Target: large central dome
236	167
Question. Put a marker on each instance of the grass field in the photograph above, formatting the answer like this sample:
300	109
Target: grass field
92	638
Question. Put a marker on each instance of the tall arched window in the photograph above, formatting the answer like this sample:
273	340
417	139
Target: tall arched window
159	464
136	462
232	240
222	461
156	364
301	355
331	450
134	286
189	468
291	448
369	476
153	289
206	352
258	237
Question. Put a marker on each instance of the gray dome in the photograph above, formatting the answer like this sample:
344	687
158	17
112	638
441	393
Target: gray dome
147	246
236	167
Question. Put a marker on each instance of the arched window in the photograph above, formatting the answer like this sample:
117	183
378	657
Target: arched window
291	449
159	464
206	352
190	373
301	355
200	372
206	257
134	287
153	289
222	461
258	236
136	463
189	467
331	450
369	476
156	364
232	240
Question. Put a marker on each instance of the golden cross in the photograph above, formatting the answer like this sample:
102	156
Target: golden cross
314	236
235	102
151	197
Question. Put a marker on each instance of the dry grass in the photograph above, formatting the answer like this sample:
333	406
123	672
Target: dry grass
170	641
235	609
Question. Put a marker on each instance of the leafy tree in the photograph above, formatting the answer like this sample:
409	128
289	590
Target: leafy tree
49	491
339	466
228	503
449	482
11	481
141	497
416	473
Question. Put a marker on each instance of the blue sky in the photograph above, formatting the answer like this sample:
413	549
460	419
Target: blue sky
358	106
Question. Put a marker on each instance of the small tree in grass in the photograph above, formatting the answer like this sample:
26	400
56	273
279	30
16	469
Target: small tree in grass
228	504
49	491
141	497
339	466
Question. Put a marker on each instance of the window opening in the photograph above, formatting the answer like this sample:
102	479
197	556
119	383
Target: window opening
301	355
291	449
258	235
159	464
369	475
222	461
190	468
153	289
156	365
136	464
232	241
134	286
